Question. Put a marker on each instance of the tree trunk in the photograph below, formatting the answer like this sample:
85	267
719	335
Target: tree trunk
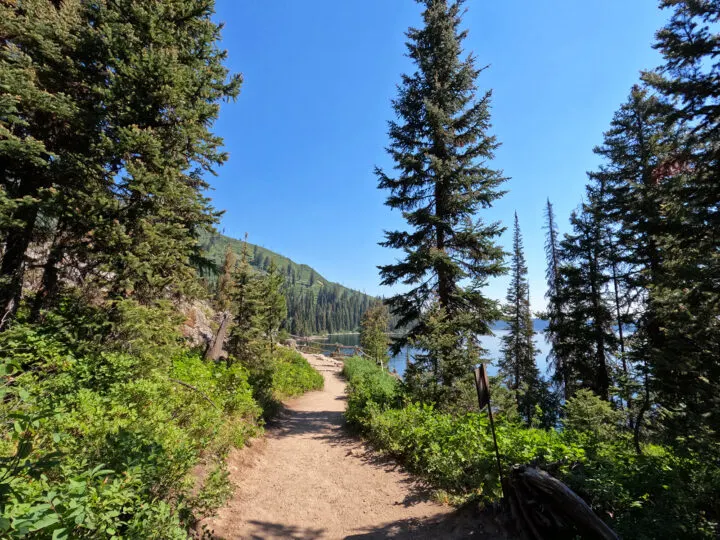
49	285
12	269
213	352
602	382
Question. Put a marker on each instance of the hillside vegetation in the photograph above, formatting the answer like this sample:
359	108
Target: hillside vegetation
314	304
109	419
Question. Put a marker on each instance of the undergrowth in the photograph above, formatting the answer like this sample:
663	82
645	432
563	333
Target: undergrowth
293	375
107	415
654	495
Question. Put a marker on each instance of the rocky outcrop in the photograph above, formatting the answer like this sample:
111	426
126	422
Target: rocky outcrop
201	323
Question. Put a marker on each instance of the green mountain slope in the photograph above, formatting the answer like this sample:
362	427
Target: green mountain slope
315	305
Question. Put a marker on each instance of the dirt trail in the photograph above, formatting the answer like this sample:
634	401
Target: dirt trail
310	479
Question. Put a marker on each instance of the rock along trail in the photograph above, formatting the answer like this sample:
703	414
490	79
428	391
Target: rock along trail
309	478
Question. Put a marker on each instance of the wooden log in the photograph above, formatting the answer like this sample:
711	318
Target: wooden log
214	351
545	508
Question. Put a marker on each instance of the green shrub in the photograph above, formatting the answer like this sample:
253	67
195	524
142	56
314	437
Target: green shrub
456	453
655	495
292	375
368	387
99	440
586	414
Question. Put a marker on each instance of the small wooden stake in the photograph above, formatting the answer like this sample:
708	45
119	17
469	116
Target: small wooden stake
483	392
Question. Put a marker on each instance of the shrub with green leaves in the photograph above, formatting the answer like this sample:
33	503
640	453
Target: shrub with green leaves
292	375
654	495
369	387
106	426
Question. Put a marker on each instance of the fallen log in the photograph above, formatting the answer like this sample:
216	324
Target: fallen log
544	508
215	350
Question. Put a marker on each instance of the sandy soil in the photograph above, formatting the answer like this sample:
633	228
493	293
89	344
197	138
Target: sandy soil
309	478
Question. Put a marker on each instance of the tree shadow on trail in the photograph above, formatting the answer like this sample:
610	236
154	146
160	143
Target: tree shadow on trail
468	521
331	428
318	424
264	529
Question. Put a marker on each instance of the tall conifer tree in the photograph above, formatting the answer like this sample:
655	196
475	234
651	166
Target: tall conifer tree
441	149
685	368
117	101
47	127
636	149
518	362
556	307
273	303
585	339
247	331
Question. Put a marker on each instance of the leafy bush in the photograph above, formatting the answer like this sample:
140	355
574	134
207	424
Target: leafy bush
595	418
456	453
369	387
292	375
103	435
654	495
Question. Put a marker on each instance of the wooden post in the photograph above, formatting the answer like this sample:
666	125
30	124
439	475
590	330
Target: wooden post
483	392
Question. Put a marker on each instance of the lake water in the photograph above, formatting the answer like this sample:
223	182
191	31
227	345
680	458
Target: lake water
492	344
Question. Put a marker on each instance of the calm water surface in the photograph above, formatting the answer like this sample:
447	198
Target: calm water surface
491	343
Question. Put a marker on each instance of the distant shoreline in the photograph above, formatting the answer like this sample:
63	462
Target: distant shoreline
323	336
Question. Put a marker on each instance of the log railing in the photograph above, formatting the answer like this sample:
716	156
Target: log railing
335	350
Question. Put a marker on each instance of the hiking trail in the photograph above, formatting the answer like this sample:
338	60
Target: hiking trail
310	478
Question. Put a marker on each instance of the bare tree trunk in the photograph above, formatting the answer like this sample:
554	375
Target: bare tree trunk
12	269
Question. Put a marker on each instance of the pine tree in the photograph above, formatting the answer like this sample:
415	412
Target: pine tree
273	303
518	363
585	339
246	332
639	142
685	368
556	308
223	297
441	151
46	129
374	332
117	102
168	79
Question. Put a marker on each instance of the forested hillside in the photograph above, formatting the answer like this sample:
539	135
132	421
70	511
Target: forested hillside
315	305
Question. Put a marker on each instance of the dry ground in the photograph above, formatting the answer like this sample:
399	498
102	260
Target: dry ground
309	478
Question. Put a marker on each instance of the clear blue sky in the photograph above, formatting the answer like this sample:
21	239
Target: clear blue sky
311	121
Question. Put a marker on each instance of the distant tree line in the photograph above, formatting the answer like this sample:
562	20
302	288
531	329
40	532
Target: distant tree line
314	305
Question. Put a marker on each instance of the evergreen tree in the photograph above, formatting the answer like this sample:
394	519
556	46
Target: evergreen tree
247	329
374	332
556	308
116	105
274	305
684	367
441	151
223	297
584	336
518	363
47	131
639	142
168	80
